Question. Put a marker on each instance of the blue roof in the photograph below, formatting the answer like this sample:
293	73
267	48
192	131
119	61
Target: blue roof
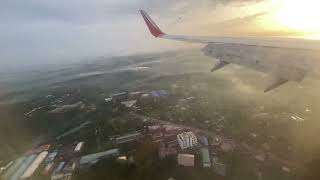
163	92
154	93
23	167
159	93
60	166
51	156
204	140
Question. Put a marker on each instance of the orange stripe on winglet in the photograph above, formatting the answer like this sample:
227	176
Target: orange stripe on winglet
154	30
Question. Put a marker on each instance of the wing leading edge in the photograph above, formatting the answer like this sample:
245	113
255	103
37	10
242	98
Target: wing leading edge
267	42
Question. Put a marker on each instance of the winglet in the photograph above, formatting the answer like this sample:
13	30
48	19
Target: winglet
153	28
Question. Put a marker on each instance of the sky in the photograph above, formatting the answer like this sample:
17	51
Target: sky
34	32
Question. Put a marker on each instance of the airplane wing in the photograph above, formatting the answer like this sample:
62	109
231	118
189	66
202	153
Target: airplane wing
266	42
289	45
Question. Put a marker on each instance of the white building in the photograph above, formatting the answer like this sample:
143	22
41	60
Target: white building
79	147
130	103
187	140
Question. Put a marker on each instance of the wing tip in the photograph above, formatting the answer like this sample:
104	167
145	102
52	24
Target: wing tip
153	28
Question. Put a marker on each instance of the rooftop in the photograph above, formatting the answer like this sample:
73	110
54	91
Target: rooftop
129	103
93	158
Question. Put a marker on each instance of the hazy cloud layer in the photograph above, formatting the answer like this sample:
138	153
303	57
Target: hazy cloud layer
50	31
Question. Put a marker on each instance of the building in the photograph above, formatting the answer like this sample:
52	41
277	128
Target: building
186	160
64	171
48	168
171	131
167	149
129	104
122	159
159	133
23	167
93	158
39	149
156	133
135	95
187	140
44	147
59	167
125	138
34	166
204	141
62	176
79	147
4	168
69	167
13	168
108	100
205	157
51	156
117	97
216	141
159	93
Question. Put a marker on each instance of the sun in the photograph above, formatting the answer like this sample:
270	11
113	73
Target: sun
298	15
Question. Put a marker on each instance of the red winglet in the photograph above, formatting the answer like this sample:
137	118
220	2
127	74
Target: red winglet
154	29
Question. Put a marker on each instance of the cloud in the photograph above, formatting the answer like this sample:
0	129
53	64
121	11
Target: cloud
237	26
240	20
52	31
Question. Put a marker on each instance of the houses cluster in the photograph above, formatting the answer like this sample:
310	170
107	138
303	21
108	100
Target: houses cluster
25	166
63	161
129	99
165	136
186	146
46	161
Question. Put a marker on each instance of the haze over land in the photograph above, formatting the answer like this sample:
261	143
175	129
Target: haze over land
239	86
89	72
29	100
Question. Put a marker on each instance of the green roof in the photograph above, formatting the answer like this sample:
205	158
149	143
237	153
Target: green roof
205	155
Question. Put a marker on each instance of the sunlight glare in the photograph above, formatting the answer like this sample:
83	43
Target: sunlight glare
298	15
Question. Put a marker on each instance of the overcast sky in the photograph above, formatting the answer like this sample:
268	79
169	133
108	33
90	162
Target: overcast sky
54	31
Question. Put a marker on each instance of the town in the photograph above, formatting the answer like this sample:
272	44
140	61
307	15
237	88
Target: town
148	125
